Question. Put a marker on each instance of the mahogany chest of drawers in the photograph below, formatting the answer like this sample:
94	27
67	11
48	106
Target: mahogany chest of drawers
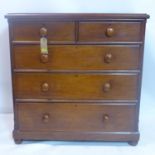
76	76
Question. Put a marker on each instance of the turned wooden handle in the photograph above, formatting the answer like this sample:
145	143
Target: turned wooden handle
43	32
45	118
108	57
44	58
106	87
105	117
109	32
45	87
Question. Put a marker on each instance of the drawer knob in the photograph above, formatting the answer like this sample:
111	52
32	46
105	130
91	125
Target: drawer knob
43	31
109	32
45	87
45	118
106	87
108	58
44	58
106	117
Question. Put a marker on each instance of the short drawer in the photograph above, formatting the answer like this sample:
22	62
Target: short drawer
81	57
75	117
75	86
56	31
110	31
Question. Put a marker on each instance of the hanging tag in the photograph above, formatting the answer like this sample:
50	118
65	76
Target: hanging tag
43	45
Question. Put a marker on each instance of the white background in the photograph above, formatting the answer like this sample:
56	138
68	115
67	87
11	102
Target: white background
146	144
82	6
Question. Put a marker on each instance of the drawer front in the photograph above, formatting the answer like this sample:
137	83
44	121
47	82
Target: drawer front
64	57
75	86
109	31
56	31
75	117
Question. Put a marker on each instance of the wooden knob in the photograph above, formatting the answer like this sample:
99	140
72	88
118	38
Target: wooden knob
106	87
43	31
108	58
106	117
45	118
44	58
109	32
45	87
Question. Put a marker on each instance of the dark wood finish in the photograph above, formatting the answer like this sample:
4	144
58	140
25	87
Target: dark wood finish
76	117
55	31
109	31
87	87
43	58
80	57
74	16
18	141
133	143
43	31
75	86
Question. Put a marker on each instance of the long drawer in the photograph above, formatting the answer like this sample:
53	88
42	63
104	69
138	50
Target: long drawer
82	57
76	117
75	86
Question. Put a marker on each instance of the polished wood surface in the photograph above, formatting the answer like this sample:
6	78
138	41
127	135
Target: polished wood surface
109	31
75	86
84	83
74	16
76	117
56	31
80	57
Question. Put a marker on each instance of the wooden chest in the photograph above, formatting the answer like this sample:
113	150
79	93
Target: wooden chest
76	76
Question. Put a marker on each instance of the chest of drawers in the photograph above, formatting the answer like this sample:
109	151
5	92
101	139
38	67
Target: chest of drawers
76	76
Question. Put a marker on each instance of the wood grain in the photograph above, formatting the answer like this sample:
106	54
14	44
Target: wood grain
75	117
123	31
88	87
80	57
56	31
75	86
